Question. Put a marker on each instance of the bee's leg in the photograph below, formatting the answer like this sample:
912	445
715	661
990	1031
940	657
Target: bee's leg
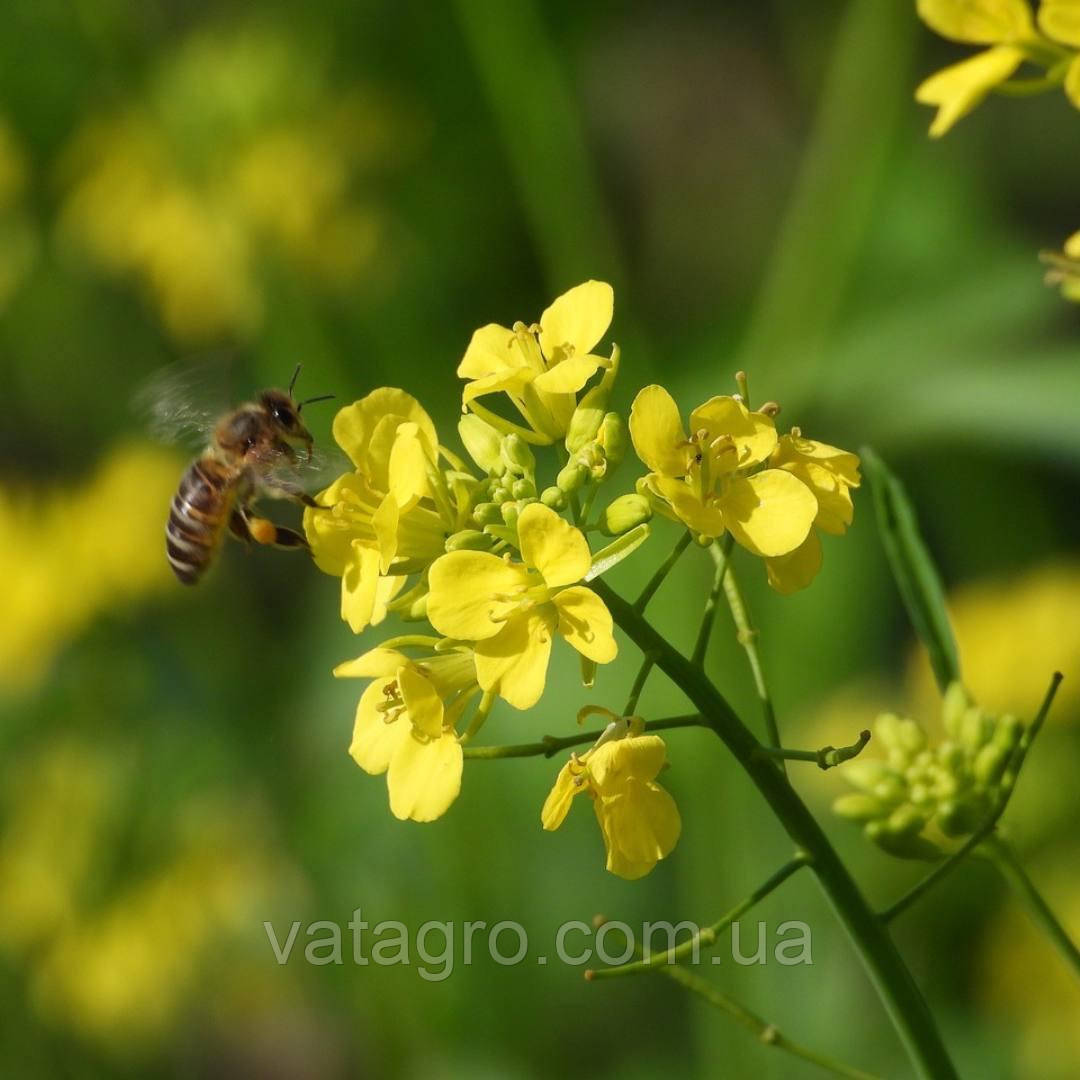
282	489
238	526
263	531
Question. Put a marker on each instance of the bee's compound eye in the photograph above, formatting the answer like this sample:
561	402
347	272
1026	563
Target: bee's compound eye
284	417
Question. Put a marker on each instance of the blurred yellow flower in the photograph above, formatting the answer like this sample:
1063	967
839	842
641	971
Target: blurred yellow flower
1007	26
1064	268
512	610
541	368
406	725
1012	634
712	481
638	819
234	151
66	556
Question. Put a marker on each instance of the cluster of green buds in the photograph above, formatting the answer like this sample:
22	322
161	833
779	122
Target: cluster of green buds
922	796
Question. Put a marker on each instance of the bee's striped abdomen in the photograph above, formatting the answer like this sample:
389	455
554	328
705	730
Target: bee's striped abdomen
197	518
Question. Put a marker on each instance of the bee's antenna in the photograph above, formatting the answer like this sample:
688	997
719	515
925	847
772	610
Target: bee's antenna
311	400
295	376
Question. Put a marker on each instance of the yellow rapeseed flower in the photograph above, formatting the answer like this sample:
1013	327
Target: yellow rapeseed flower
713	480
1008	27
830	474
511	610
541	367
639	820
394	512
406	726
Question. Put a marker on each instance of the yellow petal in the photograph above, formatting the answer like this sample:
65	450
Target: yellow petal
640	827
409	459
706	519
354	424
978	22
657	432
835	508
568	376
374	740
1060	20
842	463
790	573
377	663
957	89
385	522
424	706
424	777
578	319
613	764
512	381
557	804
514	663
359	585
769	513
552	545
754	434
489	351
585	622
1072	82
464	586
1072	246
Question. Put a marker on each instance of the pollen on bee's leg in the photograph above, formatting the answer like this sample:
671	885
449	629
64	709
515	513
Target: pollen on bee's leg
262	531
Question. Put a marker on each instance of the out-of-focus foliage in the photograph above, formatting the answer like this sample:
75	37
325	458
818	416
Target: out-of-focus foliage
357	187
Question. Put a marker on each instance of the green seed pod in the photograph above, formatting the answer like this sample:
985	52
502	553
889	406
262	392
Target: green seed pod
572	477
468	540
553	498
625	513
482	442
858	807
487	513
518	457
523	489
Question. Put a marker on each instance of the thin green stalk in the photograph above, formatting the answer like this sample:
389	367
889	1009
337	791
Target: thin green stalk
767	1033
550	745
640	680
707	936
712	602
902	999
1004	858
747	637
828	757
662	572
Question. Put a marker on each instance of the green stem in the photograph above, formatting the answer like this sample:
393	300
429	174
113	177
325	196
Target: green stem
827	757
708	618
640	679
901	997
662	572
1004	858
747	637
766	1032
550	745
707	936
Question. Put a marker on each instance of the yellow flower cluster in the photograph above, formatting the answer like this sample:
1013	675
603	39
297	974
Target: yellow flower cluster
67	556
188	205
1050	40
496	557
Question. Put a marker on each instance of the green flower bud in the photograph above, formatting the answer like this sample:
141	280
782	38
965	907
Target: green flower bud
612	437
953	706
487	513
911	736
959	817
518	457
500	493
858	807
975	729
468	540
624	513
510	513
589	414
482	442
572	477
523	489
904	845
905	820
553	498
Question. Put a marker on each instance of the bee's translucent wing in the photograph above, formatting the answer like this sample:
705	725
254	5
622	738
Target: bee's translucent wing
311	474
181	402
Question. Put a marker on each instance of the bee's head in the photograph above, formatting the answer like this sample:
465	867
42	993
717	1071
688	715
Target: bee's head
284	413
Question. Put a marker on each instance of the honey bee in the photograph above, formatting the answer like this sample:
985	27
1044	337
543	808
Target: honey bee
251	454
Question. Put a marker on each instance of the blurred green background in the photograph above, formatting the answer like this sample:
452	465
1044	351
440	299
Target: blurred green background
358	187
